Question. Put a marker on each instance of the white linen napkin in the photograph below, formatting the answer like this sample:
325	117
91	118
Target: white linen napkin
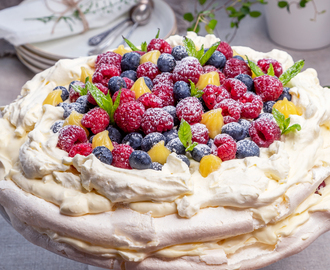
33	21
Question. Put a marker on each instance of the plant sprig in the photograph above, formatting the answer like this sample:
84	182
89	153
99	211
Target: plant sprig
292	72
284	123
185	135
81	90
194	91
144	44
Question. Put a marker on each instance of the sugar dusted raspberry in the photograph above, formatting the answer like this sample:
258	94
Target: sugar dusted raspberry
235	87
265	63
129	82
165	93
190	109
96	119
83	149
160	45
165	78
264	132
251	105
150	100
187	69
268	87
128	116
69	135
147	69
200	133
226	146
121	153
111	58
102	88
231	110
209	68
225	48
125	96
73	95
214	94
156	120
104	72
235	67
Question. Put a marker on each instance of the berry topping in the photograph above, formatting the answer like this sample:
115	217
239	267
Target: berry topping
114	134
265	63
130	61
190	109
179	52
151	56
286	107
164	78
208	69
129	82
115	84
181	90
172	111
264	132
231	110
235	67
70	107
214	94
131	74
165	93
200	133
285	94
156	120
65	92
159	45
133	139
103	154
108	58
104	72
235	87
121	154
72	93
150	100
128	116
126	95
235	130
226	147
217	60
251	105
83	149
268	87
268	106
140	160
147	69
187	69
149	82
200	151
57	125
170	135
247	148
150	140
166	62
102	88
184	159
69	135
247	80
156	166
246	125
209	164
225	49
176	146
96	119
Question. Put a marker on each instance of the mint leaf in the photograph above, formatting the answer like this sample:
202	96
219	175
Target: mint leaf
104	101
114	107
209	53
256	70
194	91
130	44
86	80
292	128
157	36
279	118
200	53
80	90
284	123
199	93
184	133
191	147
144	46
190	47
292	72
270	70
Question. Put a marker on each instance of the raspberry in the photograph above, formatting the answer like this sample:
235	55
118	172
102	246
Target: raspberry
225	48
165	78
264	132
265	63
190	109
208	69
69	135
160	45
231	110
251	105
104	72
200	133
129	82
187	69
235	87
268	87
83	149
150	101
214	94
128	116
72	93
156	120
147	69
140	52
96	119
226	146
111	58
235	67
121	154
102	88
125	96
165	93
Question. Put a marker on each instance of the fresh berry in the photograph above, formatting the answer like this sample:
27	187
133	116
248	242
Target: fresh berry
150	140
75	119
103	154
200	133
156	166
217	60
72	93
65	92
96	119
108	58
264	132
114	134
166	62
200	151
179	52
265	63
285	94
163	78
209	164
238	57
165	93
268	106
147	69
102	88
210	143
121	154
235	130
235	87
133	139
190	109
57	126
72	107
104	72
83	149
128	116
187	69
246	125
159	45
184	159
267	115
226	147
156	120
268	87
69	135
176	146
150	100
172	111
129	82
214	94
251	105
181	90
130	61
247	80
208	69
115	84
231	110
225	49
247	148
139	160
235	67
159	153
83	100
170	135
131	74
149	82
126	95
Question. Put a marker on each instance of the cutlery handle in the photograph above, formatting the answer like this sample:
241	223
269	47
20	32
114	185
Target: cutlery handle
135	25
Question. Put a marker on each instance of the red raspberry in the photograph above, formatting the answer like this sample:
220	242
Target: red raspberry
226	146
96	119
126	95
73	94
104	72
231	110
190	109
187	69
268	87
150	101
121	154
235	87
69	135
129	82
264	132
140	52
265	63
147	69
156	120
83	149
209	68
225	49
235	67
111	58
321	186
165	93
160	45
165	78
251	105
214	94
200	133
102	88
128	116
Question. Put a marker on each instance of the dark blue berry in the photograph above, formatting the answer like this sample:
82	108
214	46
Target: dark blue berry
156	166
91	139
267	115
73	107
133	139
179	52
247	148
184	159
114	134
176	146
148	82
139	160
84	102
170	135
181	90
57	125
268	106
247	80
235	130
200	151
210	143
65	92
130	61
103	154
151	139
286	94
115	84
172	111
239	57
246	125
131	74
217	60
166	62
79	83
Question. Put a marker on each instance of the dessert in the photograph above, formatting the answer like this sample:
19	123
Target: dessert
231	202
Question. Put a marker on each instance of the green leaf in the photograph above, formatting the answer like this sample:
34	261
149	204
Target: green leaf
209	53
279	118
292	72
87	79
199	93
270	70
188	17
80	90
114	107
184	133
104	101
191	146
245	9
212	24
257	70
286	123
202	2
231	9
193	90
157	35
282	4
130	44
200	53
255	14
190	47
144	46
292	128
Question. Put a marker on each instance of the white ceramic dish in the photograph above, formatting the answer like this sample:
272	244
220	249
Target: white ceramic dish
36	58
29	65
34	62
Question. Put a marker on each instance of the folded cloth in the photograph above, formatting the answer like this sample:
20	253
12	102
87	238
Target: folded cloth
41	20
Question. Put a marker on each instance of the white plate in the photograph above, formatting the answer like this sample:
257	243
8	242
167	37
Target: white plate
29	65
35	59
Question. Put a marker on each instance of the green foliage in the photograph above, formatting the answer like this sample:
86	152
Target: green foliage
284	123
292	72
185	135
194	91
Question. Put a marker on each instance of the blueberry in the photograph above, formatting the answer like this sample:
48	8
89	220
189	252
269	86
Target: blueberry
130	61
172	111
79	83
176	146
166	62
247	148
65	92
151	139
139	160
239	57
247	80
115	84
133	139
184	159
170	135
156	166
266	115
91	139
57	125
103	154
286	94
179	52
181	90
217	59
268	106
200	151
84	102
114	134
210	143
73	107
148	82
131	74
235	130
246	125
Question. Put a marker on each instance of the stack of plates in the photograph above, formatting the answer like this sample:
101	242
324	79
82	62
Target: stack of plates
42	55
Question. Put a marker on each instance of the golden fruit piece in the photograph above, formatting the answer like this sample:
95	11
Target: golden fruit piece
140	88
85	72
208	78
159	153
122	50
209	164
235	54
102	139
53	98
74	119
213	120
286	107
151	56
